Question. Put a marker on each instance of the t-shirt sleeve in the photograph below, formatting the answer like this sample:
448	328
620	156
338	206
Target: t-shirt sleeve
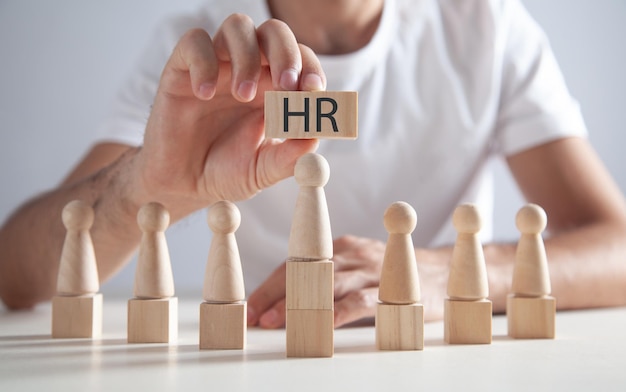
130	109
535	104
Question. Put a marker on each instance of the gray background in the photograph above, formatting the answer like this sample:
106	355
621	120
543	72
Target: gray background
62	62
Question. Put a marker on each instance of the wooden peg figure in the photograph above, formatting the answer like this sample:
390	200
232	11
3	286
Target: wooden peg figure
531	277
78	271
531	311
153	277
77	307
467	311
309	281
223	314
399	316
152	314
310	237
399	283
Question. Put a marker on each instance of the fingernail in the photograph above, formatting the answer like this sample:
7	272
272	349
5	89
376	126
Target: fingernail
246	90
312	82
206	90
269	319
288	79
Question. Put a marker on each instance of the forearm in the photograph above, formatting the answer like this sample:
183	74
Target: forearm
32	238
587	267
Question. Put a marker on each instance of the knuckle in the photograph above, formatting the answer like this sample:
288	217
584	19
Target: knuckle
342	241
338	287
274	25
362	299
238	21
193	35
305	49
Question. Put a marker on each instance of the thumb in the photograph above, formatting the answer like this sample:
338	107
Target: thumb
277	159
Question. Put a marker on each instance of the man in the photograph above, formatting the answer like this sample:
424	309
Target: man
442	86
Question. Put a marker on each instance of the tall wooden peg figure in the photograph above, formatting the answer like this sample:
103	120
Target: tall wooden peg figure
309	282
467	311
77	307
531	311
399	315
153	313
223	314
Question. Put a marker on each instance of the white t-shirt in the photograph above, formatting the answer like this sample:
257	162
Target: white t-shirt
443	86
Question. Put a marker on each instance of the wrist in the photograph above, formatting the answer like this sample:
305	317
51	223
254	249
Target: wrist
134	183
121	194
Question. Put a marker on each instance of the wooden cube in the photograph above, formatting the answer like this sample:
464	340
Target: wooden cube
310	333
531	318
311	114
152	320
467	322
223	326
399	327
77	317
310	285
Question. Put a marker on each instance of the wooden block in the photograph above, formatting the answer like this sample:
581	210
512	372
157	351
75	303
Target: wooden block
223	326
531	318
400	327
152	320
77	317
310	285
310	333
311	114
467	322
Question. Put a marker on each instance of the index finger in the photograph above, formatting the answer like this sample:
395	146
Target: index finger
192	61
271	291
292	66
236	42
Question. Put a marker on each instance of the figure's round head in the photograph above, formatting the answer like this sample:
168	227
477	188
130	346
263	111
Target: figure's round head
224	217
312	170
400	218
77	215
153	217
466	219
531	219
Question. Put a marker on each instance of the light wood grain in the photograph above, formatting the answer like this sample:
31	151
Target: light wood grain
78	271
223	279
468	272
153	320
531	318
399	280
399	327
77	316
531	311
310	333
467	322
531	276
223	326
331	114
310	285
310	237
153	276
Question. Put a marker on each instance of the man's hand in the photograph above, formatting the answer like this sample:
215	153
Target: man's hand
358	262
204	139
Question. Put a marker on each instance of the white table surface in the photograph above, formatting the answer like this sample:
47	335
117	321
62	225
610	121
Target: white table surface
589	354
